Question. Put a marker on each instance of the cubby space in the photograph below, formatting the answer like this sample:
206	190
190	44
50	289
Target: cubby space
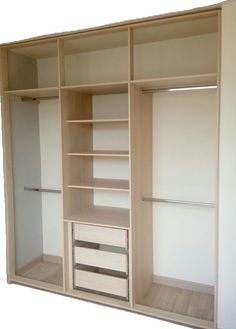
180	47
97	58
33	70
36	152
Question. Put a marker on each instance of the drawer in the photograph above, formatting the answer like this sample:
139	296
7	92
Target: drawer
101	235
100	258
101	283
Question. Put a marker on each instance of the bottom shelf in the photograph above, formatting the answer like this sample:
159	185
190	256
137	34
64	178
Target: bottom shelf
45	271
182	301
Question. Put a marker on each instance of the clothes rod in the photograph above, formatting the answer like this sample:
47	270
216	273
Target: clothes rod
187	203
36	99
36	189
156	90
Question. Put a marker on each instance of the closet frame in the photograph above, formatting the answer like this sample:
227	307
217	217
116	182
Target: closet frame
136	100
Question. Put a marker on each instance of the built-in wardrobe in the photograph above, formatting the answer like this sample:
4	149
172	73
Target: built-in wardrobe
116	151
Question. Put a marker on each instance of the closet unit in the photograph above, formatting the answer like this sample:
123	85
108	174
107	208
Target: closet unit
111	153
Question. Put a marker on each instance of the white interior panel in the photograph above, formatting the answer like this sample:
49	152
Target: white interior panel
111	168
104	65
50	147
182	56
184	243
185	145
184	168
110	136
111	199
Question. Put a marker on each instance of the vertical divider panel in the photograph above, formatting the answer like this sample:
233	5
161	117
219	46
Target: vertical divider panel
141	185
130	54
61	77
130	104
7	163
61	62
217	171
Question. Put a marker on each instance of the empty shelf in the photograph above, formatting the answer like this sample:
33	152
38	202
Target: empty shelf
103	184
35	92
98	121
102	216
101	153
100	88
178	81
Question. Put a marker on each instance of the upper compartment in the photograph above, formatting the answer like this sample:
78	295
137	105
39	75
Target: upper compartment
178	47
97	58
33	66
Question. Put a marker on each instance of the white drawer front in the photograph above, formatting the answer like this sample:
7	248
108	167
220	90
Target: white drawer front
101	235
100	258
102	283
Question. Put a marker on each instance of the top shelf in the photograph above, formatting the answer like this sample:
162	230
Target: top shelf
121	87
35	92
100	88
198	80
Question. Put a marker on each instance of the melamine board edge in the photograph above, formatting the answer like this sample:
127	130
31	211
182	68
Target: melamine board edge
99	121
99	298
87	187
197	80
35	92
97	223
101	154
99	88
174	317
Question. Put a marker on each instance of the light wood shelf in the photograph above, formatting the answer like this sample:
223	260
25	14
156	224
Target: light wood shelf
177	81
103	184
101	216
99	121
99	88
35	92
101	154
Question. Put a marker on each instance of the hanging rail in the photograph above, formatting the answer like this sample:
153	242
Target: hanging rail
36	189
187	203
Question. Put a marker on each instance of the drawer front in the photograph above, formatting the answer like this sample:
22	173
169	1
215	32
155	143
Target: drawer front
101	283
100	258
101	235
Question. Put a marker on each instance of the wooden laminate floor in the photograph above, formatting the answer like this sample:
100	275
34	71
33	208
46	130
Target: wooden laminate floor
186	302
46	272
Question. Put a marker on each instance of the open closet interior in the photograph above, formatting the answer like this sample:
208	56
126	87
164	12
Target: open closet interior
36	158
114	148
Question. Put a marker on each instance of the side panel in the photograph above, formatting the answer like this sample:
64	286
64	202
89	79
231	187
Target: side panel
227	188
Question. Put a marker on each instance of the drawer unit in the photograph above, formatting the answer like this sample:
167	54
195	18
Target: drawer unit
102	235
107	259
101	260
101	283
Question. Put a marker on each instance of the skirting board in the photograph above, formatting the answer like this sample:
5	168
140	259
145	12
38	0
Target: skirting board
182	284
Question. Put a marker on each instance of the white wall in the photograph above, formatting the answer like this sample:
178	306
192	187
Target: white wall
184	168
227	195
51	176
176	57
